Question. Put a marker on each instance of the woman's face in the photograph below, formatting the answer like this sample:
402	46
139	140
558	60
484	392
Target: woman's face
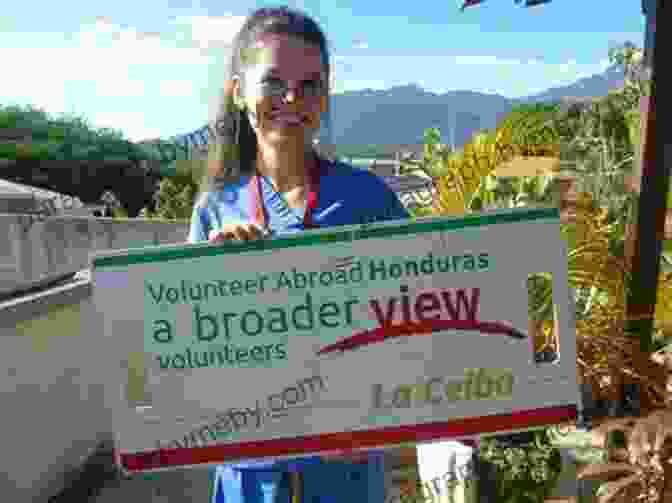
275	63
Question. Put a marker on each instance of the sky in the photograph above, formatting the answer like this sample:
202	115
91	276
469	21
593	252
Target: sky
152	68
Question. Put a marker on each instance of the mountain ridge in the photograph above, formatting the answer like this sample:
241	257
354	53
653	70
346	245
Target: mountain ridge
372	117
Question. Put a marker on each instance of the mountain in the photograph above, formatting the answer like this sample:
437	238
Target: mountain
589	87
401	114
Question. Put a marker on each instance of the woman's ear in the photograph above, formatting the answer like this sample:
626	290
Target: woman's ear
236	93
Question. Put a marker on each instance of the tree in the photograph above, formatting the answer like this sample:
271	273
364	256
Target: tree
630	59
175	198
64	138
95	159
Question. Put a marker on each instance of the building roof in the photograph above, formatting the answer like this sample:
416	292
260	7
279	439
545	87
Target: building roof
13	190
8	188
407	183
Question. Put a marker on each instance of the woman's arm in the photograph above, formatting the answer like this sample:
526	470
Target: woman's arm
200	225
387	205
395	210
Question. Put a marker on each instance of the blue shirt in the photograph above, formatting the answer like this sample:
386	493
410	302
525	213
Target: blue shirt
347	196
323	482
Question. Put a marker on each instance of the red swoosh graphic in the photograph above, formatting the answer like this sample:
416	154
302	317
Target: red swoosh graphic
427	327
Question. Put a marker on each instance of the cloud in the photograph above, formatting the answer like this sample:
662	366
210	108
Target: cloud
604	64
209	32
343	85
485	60
120	76
135	124
569	68
157	83
128	46
508	76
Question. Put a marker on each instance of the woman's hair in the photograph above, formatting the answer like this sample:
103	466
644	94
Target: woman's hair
233	148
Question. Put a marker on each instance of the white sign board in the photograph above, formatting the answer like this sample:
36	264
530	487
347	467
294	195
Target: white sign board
349	337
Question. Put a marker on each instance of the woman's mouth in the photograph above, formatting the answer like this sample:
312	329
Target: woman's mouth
288	119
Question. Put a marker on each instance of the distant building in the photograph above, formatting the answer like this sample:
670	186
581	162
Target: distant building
385	167
16	135
87	180
18	198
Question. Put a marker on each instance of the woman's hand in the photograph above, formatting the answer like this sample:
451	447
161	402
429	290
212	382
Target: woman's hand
235	232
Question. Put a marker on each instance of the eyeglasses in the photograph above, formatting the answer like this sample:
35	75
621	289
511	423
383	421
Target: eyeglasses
273	86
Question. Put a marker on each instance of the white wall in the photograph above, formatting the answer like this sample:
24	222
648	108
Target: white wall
433	463
40	250
52	360
52	397
51	392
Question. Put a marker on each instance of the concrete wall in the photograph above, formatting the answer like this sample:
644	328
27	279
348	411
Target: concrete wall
52	386
51	391
180	486
39	250
52	397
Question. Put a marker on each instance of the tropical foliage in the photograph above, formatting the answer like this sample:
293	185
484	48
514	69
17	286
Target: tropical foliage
62	138
640	468
174	198
525	474
596	142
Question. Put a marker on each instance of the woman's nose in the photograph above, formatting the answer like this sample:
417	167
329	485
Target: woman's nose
291	94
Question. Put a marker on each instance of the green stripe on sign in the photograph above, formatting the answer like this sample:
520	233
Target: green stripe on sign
344	234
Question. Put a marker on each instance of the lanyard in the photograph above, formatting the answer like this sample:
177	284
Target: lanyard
259	211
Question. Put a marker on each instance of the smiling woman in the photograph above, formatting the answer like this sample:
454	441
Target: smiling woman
264	172
265	176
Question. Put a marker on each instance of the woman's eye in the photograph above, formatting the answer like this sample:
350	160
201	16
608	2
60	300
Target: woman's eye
310	85
273	83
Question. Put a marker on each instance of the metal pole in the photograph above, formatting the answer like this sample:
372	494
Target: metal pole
649	232
296	487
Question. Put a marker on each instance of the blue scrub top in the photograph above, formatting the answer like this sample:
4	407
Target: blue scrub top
347	196
323	482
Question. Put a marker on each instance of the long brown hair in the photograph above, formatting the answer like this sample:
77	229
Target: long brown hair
232	152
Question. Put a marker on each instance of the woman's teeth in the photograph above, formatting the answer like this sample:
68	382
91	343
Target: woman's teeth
288	119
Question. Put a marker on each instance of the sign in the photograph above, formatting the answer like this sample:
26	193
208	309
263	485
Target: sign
358	336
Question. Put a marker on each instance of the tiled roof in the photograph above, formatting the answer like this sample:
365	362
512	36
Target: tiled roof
55	202
13	189
8	187
407	183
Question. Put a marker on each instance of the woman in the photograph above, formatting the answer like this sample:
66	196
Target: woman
264	174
